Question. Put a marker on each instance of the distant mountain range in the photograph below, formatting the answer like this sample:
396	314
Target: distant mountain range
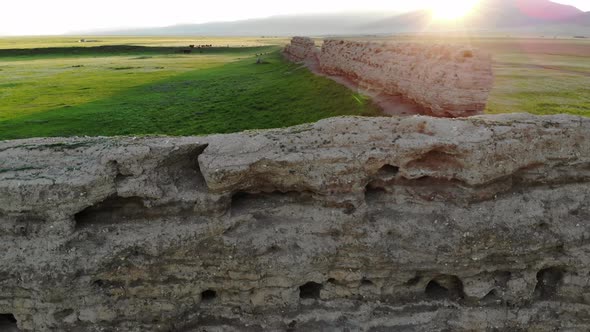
490	16
284	25
542	16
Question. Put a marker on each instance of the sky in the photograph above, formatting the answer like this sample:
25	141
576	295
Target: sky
46	17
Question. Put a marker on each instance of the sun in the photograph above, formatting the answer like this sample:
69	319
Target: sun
452	10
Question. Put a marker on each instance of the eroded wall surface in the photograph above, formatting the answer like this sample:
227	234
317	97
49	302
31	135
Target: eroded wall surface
301	49
446	80
366	224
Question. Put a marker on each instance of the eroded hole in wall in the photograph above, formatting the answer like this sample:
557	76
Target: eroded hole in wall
8	323
492	297
374	191
445	287
98	283
382	179
366	282
208	296
182	168
273	248
387	172
548	282
105	285
502	278
435	291
119	177
349	208
241	200
112	210
310	290
435	160
118	210
292	326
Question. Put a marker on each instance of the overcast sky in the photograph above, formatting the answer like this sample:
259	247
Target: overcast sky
33	17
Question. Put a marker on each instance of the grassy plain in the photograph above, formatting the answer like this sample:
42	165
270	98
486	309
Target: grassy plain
136	86
73	41
136	89
540	76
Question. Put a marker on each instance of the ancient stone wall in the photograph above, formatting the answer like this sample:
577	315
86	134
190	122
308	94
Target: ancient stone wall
365	224
446	80
301	49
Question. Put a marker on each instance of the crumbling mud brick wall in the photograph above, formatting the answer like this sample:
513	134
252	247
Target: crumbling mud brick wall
365	224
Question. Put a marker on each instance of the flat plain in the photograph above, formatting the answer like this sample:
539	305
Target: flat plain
123	86
148	86
540	76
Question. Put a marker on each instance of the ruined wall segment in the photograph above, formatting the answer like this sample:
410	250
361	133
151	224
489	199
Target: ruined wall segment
301	49
449	80
365	224
445	80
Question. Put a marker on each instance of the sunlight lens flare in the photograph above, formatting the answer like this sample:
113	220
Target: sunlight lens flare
452	10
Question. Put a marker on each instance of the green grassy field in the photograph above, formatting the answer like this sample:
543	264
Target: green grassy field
138	86
166	41
123	90
550	84
540	76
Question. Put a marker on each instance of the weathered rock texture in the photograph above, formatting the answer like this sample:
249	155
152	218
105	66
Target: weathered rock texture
301	49
446	80
365	224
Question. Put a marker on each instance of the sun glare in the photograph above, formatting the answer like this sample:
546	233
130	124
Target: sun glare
452	10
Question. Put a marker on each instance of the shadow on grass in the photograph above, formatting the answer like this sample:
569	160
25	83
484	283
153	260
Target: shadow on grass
230	98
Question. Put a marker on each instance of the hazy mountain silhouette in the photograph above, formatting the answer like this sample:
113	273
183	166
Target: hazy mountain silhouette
284	25
527	16
495	15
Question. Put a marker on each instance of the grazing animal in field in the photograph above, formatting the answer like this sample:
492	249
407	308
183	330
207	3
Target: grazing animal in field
191	46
